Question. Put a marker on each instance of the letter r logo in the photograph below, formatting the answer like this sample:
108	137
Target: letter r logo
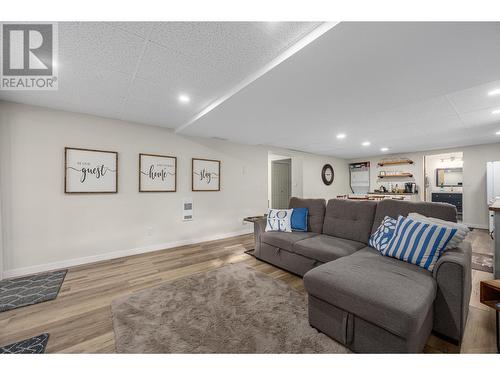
27	49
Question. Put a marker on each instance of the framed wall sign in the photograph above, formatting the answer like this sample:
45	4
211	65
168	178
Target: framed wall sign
157	173
90	171
205	175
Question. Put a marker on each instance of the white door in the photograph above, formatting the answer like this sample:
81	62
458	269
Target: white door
281	183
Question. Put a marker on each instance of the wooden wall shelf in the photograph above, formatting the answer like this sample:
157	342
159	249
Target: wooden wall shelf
395	162
396	175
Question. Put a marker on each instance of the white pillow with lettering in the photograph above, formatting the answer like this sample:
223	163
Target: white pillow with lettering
279	220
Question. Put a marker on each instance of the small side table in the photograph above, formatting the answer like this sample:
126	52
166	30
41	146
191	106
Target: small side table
252	219
490	296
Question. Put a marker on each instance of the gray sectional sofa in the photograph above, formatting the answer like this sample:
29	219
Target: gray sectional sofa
366	301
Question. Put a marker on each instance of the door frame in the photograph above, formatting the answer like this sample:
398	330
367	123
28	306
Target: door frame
288	162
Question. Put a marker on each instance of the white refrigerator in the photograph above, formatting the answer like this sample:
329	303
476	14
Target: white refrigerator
492	187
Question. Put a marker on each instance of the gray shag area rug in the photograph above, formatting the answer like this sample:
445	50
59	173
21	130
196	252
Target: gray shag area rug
234	309
28	290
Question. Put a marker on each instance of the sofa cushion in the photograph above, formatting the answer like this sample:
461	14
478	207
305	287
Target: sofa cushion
350	219
383	235
284	240
418	242
279	220
394	295
394	208
326	248
462	229
316	212
299	219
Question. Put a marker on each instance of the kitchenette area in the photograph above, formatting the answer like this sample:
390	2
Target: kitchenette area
389	179
433	178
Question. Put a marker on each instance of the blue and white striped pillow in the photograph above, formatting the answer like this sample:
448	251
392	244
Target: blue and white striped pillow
418	243
381	237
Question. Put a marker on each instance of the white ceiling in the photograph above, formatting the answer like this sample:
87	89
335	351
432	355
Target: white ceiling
135	71
405	86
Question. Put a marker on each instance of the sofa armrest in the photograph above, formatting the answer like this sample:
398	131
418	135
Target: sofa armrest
453	274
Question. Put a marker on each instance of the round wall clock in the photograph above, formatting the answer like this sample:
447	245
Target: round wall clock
327	174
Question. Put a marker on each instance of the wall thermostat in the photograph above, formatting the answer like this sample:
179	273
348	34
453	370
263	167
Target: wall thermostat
187	209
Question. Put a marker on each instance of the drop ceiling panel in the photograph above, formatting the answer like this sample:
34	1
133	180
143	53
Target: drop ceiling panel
478	119
220	45
177	74
136	70
476	98
104	46
144	111
141	29
288	32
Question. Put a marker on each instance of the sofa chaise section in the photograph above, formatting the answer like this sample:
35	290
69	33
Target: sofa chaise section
372	303
452	271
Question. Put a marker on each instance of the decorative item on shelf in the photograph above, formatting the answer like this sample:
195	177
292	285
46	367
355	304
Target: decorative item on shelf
157	173
382	173
327	174
90	171
205	175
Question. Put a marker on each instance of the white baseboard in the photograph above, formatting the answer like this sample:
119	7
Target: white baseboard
115	254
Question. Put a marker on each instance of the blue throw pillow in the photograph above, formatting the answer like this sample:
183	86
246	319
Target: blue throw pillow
299	219
418	242
381	237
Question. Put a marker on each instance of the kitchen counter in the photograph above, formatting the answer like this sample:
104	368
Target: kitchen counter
495	206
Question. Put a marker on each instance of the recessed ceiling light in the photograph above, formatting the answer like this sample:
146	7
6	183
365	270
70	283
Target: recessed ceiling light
498	132
494	92
384	149
495	112
183	98
341	136
366	143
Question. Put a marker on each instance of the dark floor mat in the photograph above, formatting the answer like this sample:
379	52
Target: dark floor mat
34	345
28	290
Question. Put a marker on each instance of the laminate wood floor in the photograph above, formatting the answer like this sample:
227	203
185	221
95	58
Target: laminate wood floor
79	319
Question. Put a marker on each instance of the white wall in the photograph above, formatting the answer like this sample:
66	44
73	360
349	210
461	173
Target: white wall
475	207
1	240
43	228
306	174
311	173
